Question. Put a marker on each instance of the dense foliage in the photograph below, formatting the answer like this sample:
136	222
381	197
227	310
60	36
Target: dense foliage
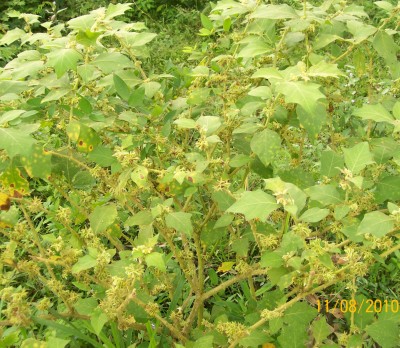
228	198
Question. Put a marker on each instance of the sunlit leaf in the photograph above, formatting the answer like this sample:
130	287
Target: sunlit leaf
254	205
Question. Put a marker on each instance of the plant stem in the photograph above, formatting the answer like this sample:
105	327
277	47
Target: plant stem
282	308
174	331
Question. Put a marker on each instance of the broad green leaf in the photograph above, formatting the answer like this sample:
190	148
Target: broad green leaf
358	157
293	38
16	141
55	342
12	35
32	343
200	71
10	116
114	10
103	156
97	320
83	181
227	24
263	92
27	69
10	86
298	177
320	330
376	112
109	62
137	97
207	23
360	30
254	205
314	215
185	123
150	88
324	69
224	220
87	72
376	223
271	259
223	200
385	331
68	330
383	149
121	88
198	96
135	39
363	318
129	116
143	217
341	211
300	314
293	336
274	12
302	93
86	306
396	110
254	48
324	194
84	263
265	144
386	47
37	163
63	60
102	217
239	161
230	7
294	198
55	94
209	124
387	6
204	342
388	188
255	339
87	37
156	260
241	247
323	40
392	208
247	128
210	236
312	119
267	73
204	32
331	163
181	222
82	23
291	242
276	274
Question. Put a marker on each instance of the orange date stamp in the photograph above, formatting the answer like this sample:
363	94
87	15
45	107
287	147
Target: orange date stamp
364	306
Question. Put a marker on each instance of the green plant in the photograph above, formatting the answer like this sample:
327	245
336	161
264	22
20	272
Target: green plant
217	205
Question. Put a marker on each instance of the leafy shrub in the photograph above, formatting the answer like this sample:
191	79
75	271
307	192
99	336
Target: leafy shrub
214	205
141	9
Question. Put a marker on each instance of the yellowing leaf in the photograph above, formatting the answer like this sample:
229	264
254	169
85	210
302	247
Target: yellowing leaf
225	267
86	137
13	181
4	202
37	163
